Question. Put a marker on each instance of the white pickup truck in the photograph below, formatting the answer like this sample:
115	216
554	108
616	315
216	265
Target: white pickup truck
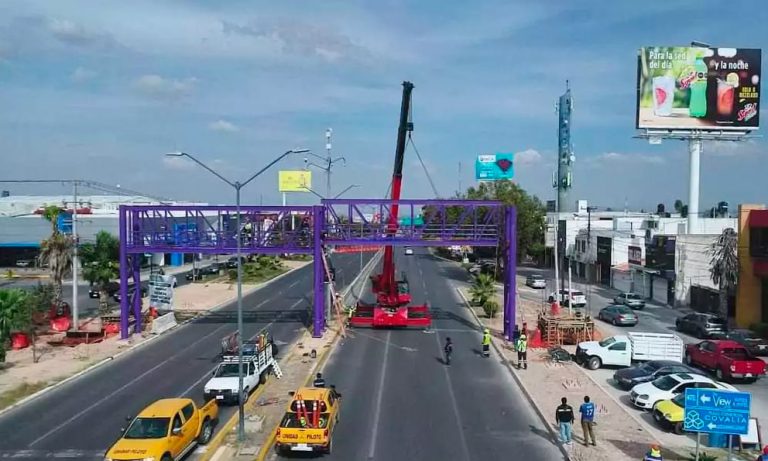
258	361
622	350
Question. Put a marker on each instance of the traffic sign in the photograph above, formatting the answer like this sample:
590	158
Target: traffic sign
717	412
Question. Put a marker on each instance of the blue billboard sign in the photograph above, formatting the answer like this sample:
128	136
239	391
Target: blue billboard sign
494	167
717	412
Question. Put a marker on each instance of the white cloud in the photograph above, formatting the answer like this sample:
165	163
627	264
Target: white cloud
178	163
158	87
528	157
81	74
616	157
75	34
224	126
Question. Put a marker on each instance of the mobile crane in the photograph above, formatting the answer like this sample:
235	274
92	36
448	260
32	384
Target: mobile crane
393	296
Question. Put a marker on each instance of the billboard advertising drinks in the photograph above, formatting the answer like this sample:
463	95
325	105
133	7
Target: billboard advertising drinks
690	88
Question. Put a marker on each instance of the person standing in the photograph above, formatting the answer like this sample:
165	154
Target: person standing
522	352
448	349
587	410
319	381
564	418
486	343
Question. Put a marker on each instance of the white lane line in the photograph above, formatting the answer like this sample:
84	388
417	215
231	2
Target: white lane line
456	414
120	389
189	389
293	284
219	453
379	398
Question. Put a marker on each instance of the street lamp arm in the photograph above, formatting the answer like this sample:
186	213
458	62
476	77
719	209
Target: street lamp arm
320	157
339	159
348	188
285	154
191	157
308	164
310	190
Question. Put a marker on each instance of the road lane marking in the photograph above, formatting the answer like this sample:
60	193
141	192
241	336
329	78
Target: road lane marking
294	284
379	398
120	389
454	404
63	454
207	374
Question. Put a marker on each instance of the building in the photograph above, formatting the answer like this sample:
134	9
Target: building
752	291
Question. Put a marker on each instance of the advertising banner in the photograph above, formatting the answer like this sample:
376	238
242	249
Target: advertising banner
635	255
494	167
686	88
161	291
294	181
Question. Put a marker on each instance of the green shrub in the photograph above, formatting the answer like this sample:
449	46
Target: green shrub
491	308
703	456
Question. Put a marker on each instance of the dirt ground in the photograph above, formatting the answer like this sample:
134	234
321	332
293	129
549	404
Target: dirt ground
619	434
59	362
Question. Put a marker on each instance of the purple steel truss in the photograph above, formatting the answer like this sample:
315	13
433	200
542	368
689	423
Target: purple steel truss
295	229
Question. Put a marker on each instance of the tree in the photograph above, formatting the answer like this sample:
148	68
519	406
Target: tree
11	305
724	266
101	264
56	252
678	206
482	289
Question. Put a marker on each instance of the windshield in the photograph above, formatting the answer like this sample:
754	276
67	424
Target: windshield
666	383
650	367
292	421
633	296
607	342
715	321
148	428
228	370
624	310
679	400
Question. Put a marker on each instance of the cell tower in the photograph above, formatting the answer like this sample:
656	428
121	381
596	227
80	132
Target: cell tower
565	156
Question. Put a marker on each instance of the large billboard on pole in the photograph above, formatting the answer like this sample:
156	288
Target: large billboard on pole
691	88
294	180
494	167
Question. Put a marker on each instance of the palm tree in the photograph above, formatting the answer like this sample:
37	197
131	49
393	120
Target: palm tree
101	263
11	305
724	266
482	289
56	252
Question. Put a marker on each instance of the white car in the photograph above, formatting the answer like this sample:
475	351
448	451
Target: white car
408	250
578	297
646	395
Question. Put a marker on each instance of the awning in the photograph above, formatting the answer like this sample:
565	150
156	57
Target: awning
758	218
760	268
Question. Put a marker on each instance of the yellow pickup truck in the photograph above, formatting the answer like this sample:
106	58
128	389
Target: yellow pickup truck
166	431
309	421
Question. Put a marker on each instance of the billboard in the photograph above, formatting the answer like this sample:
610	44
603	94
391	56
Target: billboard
494	167
635	255
294	181
687	88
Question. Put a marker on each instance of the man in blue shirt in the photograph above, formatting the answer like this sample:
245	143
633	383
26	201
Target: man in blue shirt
587	410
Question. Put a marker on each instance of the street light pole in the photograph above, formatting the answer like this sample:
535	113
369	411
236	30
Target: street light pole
328	161
237	185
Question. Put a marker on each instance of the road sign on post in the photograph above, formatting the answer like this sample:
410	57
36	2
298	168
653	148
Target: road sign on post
717	412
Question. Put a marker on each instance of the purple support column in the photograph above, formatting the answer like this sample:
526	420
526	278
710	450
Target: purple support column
510	278
123	232
318	313
136	263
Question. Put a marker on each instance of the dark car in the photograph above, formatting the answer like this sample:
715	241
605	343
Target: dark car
194	274
232	262
627	378
747	338
112	288
213	269
131	290
701	325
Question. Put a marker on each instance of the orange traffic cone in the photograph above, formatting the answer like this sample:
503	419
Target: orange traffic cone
555	309
536	342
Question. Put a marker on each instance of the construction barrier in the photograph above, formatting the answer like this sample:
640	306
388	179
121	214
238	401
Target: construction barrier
163	323
357	249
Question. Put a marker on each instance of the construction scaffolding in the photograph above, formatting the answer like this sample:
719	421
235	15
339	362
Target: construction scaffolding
565	328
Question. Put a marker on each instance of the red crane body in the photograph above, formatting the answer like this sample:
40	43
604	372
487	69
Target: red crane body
392	295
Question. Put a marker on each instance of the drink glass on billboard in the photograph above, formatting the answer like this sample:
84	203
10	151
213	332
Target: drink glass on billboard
663	94
725	93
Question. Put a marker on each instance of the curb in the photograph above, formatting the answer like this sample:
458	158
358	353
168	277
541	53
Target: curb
511	369
270	442
133	348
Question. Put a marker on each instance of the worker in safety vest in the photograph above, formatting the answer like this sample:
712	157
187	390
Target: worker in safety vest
486	342
654	454
302	421
522	352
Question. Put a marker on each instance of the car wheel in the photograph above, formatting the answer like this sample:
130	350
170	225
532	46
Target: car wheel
263	378
206	432
719	374
594	363
329	448
246	394
679	428
167	457
613	322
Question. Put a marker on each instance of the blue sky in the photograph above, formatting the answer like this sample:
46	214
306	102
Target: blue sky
101	92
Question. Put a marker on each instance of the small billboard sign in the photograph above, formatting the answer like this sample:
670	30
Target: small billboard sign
494	167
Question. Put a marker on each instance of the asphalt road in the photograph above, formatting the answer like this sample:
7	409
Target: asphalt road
81	419
400	402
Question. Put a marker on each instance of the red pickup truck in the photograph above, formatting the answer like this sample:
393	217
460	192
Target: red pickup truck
728	359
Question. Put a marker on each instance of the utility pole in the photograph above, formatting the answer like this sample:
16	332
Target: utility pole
75	310
327	162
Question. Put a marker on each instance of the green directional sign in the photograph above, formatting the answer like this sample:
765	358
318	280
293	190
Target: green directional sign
417	221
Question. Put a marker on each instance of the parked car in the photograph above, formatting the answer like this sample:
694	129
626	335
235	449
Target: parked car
112	288
701	325
194	274
536	281
408	250
579	300
632	300
24	263
131	290
213	269
232	262
627	378
728	359
622	350
747	338
646	395
618	315
670	414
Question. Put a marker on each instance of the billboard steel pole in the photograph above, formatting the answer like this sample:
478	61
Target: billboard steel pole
694	149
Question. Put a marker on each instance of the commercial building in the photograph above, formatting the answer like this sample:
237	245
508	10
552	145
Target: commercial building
752	291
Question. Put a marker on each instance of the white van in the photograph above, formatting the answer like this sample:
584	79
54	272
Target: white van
622	350
566	295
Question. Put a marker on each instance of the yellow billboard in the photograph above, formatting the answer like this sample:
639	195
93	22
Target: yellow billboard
294	181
